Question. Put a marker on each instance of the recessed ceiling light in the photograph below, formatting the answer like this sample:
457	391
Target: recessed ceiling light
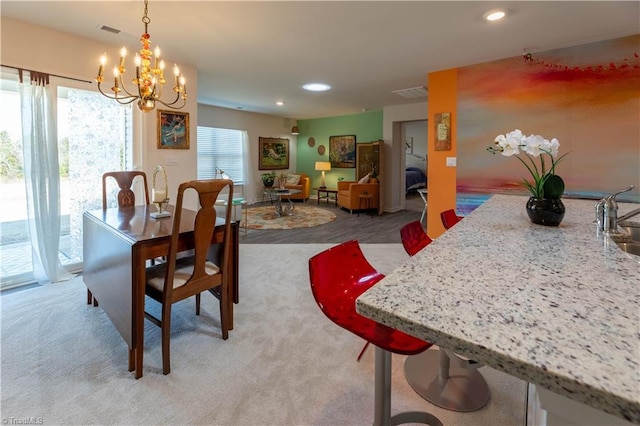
316	87
279	103
494	15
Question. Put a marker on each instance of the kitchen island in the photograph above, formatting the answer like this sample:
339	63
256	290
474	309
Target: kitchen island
558	307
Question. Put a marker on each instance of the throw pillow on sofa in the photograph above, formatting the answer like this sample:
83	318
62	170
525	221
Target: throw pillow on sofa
365	179
293	179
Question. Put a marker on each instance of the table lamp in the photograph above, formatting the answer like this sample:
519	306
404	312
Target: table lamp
323	166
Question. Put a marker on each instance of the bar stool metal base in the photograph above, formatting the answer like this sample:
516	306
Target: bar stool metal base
382	410
464	390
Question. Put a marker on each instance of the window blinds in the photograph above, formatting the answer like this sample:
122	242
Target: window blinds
221	148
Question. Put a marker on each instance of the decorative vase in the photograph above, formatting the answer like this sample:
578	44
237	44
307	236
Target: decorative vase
547	212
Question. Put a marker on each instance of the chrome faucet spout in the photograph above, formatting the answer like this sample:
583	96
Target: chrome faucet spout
629	215
607	212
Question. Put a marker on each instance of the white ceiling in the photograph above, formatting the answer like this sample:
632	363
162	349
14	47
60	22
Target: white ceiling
250	54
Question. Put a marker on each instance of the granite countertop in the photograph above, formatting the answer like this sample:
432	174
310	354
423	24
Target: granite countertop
555	306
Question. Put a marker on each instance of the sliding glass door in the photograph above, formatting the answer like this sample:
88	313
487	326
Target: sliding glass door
94	136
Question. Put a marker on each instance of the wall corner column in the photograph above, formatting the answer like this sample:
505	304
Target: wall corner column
441	180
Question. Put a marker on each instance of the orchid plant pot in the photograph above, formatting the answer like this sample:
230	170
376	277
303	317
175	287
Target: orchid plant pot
544	207
544	211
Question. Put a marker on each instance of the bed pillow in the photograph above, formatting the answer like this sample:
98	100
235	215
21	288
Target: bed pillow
293	179
365	179
413	160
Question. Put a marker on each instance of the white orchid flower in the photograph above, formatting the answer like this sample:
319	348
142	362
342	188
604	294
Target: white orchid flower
511	143
554	147
535	146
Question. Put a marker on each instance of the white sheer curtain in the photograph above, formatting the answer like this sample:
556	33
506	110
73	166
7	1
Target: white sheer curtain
249	183
42	177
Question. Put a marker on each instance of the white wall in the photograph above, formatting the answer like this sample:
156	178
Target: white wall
256	125
418	131
393	136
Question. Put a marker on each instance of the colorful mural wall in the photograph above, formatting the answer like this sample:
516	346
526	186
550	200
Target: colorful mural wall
588	97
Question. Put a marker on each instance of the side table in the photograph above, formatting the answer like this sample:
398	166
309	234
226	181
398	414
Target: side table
365	202
242	225
326	192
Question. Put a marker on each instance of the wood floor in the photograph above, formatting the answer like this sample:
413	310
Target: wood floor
365	228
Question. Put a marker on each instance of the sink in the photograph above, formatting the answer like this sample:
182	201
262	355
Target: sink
631	248
629	239
632	231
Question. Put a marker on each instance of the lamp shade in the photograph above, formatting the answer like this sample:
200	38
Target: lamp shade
294	130
323	165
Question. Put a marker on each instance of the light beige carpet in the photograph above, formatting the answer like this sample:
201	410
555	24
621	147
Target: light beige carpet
265	217
285	363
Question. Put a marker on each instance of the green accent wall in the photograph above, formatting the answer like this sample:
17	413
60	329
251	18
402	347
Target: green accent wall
367	127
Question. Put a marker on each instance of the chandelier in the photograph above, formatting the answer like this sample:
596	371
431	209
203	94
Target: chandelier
149	80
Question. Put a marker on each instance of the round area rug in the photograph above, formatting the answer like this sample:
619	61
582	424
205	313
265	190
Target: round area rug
303	217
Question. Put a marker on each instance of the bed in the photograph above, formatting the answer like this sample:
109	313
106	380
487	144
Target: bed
415	172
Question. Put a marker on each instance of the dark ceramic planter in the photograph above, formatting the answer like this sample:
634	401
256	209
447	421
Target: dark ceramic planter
545	212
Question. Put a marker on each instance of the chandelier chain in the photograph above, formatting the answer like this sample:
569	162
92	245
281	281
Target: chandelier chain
145	19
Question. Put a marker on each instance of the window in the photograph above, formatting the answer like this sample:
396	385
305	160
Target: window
94	136
220	149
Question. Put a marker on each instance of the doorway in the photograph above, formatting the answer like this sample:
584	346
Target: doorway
413	172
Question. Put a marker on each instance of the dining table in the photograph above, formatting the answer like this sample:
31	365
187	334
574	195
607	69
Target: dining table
118	245
556	306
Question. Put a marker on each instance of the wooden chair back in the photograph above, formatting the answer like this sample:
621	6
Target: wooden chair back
126	198
204	227
124	179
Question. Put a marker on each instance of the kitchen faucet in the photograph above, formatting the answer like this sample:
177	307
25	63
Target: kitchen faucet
607	212
629	215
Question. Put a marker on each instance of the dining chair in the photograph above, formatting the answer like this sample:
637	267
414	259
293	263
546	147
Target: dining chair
180	278
414	238
125	198
449	218
457	388
338	276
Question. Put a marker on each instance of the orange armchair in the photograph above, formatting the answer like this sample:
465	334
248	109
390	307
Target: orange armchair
303	185
349	194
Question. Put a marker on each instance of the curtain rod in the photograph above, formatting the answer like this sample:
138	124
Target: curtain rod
52	75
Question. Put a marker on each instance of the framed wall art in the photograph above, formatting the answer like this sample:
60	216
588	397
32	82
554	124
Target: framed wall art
173	130
408	145
443	131
342	151
273	153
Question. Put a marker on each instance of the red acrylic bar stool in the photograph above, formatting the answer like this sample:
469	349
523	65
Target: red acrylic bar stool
414	238
456	386
338	276
449	218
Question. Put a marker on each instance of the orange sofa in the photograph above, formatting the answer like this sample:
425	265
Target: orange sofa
303	185
349	194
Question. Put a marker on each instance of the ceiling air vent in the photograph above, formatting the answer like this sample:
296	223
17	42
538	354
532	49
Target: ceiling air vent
110	29
412	92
